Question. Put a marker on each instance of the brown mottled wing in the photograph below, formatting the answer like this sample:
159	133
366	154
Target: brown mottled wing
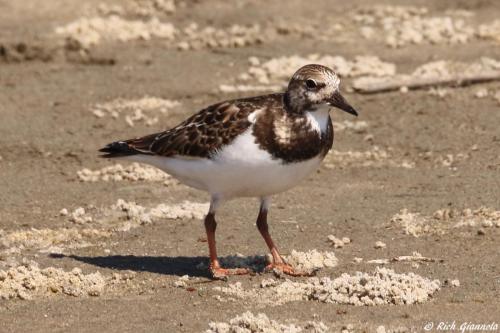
200	135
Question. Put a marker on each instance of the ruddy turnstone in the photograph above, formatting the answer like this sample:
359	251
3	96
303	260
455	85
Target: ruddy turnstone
249	147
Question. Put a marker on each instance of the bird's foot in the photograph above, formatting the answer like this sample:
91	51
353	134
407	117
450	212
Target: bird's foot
219	273
282	268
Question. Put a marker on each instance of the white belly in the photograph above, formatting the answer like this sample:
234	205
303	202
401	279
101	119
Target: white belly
240	169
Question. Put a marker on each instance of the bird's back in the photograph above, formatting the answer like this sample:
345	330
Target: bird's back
202	134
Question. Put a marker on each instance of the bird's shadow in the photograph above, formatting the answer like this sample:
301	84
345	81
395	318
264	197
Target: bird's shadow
161	265
179	266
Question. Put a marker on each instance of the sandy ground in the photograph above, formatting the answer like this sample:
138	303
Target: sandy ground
117	267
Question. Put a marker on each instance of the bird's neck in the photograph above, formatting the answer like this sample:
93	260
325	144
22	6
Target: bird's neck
294	104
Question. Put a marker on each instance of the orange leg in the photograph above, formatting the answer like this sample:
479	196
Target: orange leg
278	263
216	270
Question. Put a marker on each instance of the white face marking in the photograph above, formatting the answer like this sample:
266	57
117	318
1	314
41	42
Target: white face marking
332	85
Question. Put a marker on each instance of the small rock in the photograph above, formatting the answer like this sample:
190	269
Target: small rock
497	96
182	282
369	138
268	283
98	113
337	242
481	93
346	240
254	61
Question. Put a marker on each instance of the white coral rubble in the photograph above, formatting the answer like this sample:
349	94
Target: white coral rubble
276	72
403	25
260	323
133	172
90	31
376	157
27	281
443	220
383	286
143	215
145	109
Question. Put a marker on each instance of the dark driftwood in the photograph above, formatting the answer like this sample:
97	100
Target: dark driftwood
411	82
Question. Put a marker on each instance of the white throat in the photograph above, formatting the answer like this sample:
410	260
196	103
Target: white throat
319	118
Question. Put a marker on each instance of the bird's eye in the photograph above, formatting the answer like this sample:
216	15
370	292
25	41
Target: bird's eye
311	84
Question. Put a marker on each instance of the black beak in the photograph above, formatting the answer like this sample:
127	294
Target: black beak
338	101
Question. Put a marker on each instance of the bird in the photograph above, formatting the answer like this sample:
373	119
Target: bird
249	147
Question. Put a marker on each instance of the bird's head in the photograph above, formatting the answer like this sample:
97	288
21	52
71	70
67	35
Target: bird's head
314	86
